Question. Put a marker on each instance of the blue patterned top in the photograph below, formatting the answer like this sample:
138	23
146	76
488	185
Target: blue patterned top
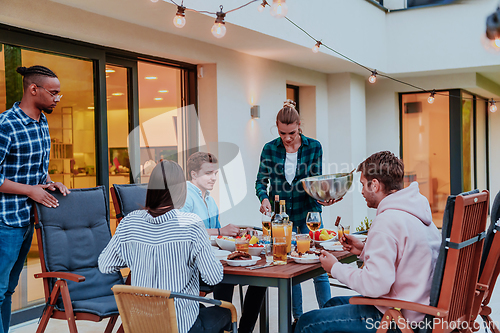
24	159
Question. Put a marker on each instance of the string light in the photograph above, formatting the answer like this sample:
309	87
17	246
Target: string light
431	98
493	106
154	0
373	77
180	19
316	47
262	6
219	27
279	8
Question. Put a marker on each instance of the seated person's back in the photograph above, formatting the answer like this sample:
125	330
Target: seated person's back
164	247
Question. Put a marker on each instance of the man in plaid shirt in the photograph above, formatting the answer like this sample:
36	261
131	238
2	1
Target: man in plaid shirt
24	163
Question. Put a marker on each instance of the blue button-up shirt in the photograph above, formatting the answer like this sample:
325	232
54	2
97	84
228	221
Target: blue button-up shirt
205	208
24	159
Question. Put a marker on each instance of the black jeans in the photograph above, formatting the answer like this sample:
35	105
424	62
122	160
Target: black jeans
213	319
251	305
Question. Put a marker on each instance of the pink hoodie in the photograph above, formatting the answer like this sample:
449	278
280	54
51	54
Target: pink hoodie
400	252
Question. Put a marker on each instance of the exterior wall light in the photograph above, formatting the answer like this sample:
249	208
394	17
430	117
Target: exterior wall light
255	112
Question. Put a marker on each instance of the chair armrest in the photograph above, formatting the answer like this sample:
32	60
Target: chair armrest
222	304
61	275
394	303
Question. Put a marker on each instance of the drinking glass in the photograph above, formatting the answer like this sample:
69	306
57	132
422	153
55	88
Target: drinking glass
303	243
268	249
242	244
340	232
279	250
266	224
313	222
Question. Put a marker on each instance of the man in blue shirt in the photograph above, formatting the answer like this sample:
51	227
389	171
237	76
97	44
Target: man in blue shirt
24	163
202	172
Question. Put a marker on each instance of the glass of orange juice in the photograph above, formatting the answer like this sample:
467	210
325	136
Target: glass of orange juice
288	226
340	232
242	244
279	250
303	242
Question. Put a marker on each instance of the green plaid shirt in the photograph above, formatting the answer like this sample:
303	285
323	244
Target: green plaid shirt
272	170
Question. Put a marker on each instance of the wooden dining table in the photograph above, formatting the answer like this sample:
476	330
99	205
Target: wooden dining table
282	277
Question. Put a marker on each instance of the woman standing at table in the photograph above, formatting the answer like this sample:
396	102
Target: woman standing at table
284	161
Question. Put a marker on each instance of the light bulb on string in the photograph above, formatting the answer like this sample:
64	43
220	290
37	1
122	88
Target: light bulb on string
497	42
316	47
154	0
493	106
180	19
373	77
262	6
431	98
279	8
219	27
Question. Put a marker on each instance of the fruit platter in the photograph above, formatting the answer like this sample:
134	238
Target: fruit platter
323	235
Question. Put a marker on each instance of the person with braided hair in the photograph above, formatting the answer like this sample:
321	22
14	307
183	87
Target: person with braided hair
24	178
284	161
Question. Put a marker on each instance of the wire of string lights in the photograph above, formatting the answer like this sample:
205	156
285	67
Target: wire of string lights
219	30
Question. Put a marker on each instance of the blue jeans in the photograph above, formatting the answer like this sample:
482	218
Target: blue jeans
339	316
321	287
15	244
212	320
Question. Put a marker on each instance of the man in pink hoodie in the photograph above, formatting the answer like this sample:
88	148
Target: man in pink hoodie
399	255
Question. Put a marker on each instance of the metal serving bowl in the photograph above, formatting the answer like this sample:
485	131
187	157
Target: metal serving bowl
326	187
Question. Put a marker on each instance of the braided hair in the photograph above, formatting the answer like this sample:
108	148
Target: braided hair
34	74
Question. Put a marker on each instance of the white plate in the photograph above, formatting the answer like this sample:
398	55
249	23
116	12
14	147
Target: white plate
334	239
225	244
242	263
305	260
332	246
360	237
221	254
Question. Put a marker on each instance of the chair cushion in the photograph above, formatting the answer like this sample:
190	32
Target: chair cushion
73	236
131	197
101	306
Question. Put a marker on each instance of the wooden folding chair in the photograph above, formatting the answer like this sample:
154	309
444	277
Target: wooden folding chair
70	239
153	311
455	277
127	198
489	270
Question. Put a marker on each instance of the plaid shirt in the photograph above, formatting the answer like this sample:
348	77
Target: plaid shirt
272	169
24	159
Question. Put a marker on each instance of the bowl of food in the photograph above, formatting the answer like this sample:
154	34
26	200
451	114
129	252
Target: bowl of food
226	243
255	249
327	187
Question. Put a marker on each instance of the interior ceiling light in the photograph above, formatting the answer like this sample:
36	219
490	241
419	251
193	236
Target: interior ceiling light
180	17
262	6
373	77
431	98
118	94
279	8
219	27
316	47
163	91
493	105
493	27
158	98
109	70
150	77
90	108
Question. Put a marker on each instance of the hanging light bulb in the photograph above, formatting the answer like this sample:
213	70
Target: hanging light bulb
497	42
219	27
373	77
154	0
262	6
493	106
431	98
279	8
316	47
180	19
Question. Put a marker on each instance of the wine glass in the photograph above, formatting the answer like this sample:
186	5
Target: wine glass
313	222
266	224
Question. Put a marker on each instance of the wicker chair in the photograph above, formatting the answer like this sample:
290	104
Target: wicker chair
455	277
153	311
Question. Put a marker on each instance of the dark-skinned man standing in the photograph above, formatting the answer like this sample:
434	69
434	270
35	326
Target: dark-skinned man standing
24	178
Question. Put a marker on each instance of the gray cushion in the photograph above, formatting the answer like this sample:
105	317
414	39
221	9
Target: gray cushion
73	236
131	197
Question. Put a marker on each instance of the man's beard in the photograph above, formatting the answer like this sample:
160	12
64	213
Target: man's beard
48	111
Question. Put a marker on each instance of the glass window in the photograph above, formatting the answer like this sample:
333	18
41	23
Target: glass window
160	115
426	148
71	127
468	142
